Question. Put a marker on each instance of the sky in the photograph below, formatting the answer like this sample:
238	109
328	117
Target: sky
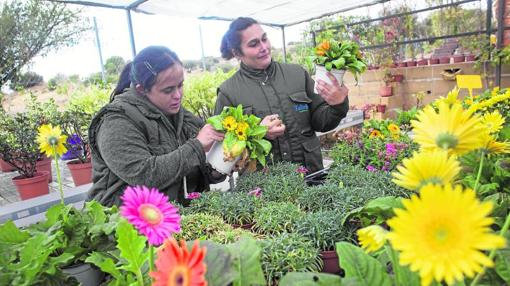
179	34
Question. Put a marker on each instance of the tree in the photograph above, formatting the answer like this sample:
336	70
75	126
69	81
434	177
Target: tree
114	65
33	28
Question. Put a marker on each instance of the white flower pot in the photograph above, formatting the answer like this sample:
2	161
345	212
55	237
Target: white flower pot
217	161
320	73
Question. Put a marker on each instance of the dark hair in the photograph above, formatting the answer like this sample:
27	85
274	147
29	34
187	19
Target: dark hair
232	38
145	67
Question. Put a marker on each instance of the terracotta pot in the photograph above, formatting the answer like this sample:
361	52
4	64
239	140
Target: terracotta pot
386	91
398	77
32	187
331	262
470	58
444	60
459	58
380	108
411	63
81	172
402	64
423	62
4	167
434	61
44	165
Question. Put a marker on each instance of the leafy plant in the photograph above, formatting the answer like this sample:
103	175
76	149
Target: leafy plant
320	198
239	208
242	132
208	203
201	226
340	55
288	252
323	229
201	92
276	218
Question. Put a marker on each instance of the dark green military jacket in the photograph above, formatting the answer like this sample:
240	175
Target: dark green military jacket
286	90
134	143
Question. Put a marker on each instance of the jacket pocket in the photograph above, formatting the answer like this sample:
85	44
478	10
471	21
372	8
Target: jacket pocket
300	110
312	154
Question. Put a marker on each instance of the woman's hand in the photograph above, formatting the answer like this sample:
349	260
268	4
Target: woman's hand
275	127
334	93
207	136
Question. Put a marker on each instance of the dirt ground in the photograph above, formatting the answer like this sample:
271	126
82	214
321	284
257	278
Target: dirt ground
17	101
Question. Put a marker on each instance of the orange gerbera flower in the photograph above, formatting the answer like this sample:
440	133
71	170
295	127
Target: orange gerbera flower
325	46
176	266
375	134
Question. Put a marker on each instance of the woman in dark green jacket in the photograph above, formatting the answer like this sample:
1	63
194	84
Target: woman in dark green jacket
145	137
281	94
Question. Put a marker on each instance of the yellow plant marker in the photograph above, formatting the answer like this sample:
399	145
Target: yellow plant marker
469	82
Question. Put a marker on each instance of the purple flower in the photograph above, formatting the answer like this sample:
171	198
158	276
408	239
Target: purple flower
302	170
391	150
74	139
194	195
371	168
256	192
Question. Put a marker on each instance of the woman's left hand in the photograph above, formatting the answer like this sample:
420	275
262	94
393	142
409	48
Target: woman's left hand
333	94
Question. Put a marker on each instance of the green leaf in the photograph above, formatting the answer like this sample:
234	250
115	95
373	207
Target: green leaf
10	236
258	131
361	266
339	63
215	121
53	214
131	246
503	264
219	263
310	279
96	212
104	263
383	206
238	113
403	275
328	66
246	259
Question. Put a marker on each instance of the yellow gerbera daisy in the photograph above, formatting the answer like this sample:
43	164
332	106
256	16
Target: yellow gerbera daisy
51	141
451	98
491	146
450	129
493	121
241	131
375	134
371	238
426	167
229	123
393	128
442	233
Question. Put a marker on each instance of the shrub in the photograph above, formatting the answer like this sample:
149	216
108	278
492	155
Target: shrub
26	80
276	218
201	226
324	229
229	236
208	203
288	253
322	197
239	208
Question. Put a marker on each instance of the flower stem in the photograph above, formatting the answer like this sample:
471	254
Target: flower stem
151	258
493	251
59	179
479	171
394	262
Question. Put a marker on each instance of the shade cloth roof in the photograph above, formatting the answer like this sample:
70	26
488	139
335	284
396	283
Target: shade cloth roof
269	12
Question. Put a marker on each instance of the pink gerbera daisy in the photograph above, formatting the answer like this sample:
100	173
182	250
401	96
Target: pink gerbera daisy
151	213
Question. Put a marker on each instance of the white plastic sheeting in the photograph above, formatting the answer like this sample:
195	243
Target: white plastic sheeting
270	12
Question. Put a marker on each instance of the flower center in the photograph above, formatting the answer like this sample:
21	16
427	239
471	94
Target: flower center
53	140
441	235
446	141
150	213
179	276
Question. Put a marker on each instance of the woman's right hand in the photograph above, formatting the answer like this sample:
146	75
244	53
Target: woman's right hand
207	136
275	127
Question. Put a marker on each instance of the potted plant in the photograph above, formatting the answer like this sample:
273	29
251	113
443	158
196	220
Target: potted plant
380	108
19	148
288	253
275	218
337	57
320	198
434	61
324	229
244	137
387	89
74	125
459	56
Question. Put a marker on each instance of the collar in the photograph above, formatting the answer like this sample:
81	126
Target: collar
263	76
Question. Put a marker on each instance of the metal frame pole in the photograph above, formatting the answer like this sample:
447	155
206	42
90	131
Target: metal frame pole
499	37
131	35
284	48
202	46
98	44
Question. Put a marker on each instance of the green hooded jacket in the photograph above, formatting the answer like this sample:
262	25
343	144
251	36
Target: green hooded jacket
133	143
286	90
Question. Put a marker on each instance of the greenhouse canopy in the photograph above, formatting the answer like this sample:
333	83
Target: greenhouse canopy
280	13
